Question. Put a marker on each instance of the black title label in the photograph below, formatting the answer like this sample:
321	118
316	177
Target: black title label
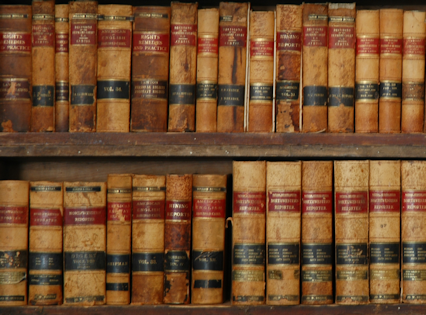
45	280
45	261
62	91
13	259
287	254
390	89
315	96
182	94
287	91
149	88
249	254
43	95
351	254
341	96
384	253
261	92
317	254
84	261
148	262
117	286
232	95
414	253
207	91
83	94
118	263
207	284
207	260
176	261
114	89
366	91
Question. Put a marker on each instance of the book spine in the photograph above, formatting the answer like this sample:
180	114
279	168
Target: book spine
413	74
283	232
177	250
114	65
367	71
15	68
232	66
390	93
385	206
248	235
84	243
149	194
45	250
317	233
83	51
288	63
207	61
119	233
314	68
351	231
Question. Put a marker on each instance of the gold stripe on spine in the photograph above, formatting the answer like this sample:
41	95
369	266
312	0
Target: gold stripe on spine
42	17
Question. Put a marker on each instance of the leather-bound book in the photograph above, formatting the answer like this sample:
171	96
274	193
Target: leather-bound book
385	204
283	185
83	63
232	66
15	68
183	66
45	257
317	232
288	63
351	231
84	243
248	233
13	242
177	239
208	238
149	194
314	68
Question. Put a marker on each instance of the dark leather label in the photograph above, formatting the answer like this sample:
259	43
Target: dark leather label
341	96
366	91
207	91
232	95
261	92
317	298
287	90
207	260
317	276
147	262
62	91
118	263
414	253
15	88
384	296
111	89
384	253
248	298
315	96
287	254
249	254
176	261
182	94
45	280
317	254
117	286
83	94
12	298
13	259
390	89
150	88
351	254
84	261
45	261
79	189
43	95
413	90
207	284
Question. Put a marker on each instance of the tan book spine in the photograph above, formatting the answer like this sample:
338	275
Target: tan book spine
207	61
208	238
45	254
13	242
367	71
15	68
391	21
232	66
177	249
283	185
317	232
119	239
84	243
83	63
314	68
149	194
248	235
385	210
114	65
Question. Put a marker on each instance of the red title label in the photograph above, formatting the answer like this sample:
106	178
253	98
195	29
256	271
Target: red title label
119	211
13	89
83	34
208	45
43	35
13	215
261	48
148	209
367	46
149	42
317	202
209	208
391	46
341	37
178	210
114	38
284	201
352	202
385	201
315	36
414	201
249	202
15	42
45	217
233	36
62	43
289	41
84	216
183	35
414	46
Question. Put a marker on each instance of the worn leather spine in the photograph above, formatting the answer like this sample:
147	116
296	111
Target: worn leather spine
149	194
367	71
45	250
391	21
384	238
232	66
83	63
15	68
283	185
208	238
177	239
314	68
351	179
317	232
13	242
119	238
248	233
84	243
114	65
288	63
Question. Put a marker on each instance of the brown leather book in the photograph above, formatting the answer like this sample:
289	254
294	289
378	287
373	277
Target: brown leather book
288	63
45	256
84	243
15	68
232	66
183	66
13	242
83	62
177	249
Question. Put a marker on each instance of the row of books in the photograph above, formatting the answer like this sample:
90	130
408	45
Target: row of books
85	67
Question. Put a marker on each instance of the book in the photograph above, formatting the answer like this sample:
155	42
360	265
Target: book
351	231
288	66
114	65
13	241
283	186
177	249
84	243
183	66
208	238
248	233
15	68
45	238
149	194
317	250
